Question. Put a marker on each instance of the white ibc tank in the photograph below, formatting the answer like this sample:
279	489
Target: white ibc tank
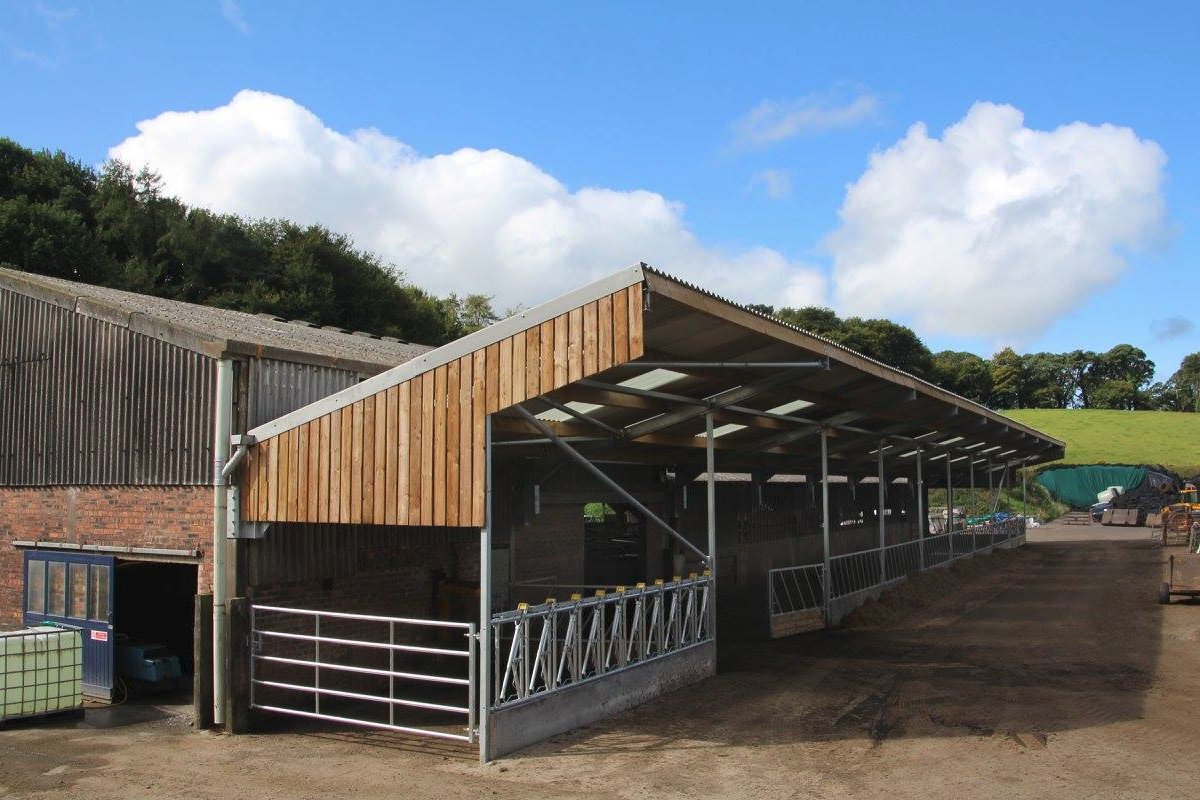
41	671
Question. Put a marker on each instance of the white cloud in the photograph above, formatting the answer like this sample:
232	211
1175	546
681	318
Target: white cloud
774	121
234	15
777	183
468	221
994	229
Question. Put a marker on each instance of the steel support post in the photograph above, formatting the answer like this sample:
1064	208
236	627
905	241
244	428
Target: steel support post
991	491
484	678
882	522
1024	508
971	486
827	578
710	464
950	505
966	509
922	517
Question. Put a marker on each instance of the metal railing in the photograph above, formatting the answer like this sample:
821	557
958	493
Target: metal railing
319	672
544	648
801	588
791	589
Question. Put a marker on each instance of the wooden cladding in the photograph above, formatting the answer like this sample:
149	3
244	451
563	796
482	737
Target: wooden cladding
413	454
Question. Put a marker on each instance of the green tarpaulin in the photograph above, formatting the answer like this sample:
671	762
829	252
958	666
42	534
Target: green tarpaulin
1078	486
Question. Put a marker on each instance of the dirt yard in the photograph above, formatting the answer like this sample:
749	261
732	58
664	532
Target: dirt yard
1048	672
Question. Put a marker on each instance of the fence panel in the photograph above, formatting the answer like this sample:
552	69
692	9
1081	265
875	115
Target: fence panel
361	669
544	648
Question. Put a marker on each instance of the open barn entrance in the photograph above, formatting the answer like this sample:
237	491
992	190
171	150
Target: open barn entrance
153	630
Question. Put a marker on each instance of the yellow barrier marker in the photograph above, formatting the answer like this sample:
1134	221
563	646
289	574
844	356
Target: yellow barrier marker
522	606
641	585
577	596
676	579
550	601
599	593
658	581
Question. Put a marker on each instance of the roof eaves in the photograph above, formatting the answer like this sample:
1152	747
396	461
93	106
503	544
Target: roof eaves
907	379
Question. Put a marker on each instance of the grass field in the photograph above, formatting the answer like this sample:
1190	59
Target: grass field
1121	437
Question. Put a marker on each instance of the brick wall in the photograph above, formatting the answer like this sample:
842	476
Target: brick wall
176	518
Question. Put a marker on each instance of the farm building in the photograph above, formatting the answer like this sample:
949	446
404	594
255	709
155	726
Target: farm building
569	453
110	403
526	529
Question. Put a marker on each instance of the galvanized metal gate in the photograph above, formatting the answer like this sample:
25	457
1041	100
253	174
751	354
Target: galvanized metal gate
391	673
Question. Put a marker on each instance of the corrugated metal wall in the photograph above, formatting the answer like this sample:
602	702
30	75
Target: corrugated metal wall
279	387
87	402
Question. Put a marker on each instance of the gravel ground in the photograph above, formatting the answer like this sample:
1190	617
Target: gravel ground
1047	672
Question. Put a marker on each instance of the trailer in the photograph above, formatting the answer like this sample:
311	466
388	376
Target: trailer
1183	577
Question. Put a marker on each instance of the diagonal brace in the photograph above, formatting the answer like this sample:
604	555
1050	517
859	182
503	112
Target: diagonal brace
609	482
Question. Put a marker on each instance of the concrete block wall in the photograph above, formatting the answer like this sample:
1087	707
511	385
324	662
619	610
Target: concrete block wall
175	518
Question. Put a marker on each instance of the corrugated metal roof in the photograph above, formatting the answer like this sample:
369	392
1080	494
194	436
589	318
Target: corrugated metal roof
214	331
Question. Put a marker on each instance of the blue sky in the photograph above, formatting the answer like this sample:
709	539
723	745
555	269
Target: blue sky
655	105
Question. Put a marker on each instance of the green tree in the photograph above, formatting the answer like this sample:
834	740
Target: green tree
814	319
965	374
895	345
1007	379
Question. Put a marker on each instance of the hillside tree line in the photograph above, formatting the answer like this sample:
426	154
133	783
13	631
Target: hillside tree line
1119	378
114	227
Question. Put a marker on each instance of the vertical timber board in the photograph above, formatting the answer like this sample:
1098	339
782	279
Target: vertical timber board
504	373
604	331
347	462
302	472
356	462
427	415
559	352
391	444
518	367
313	514
465	429
532	365
636	343
574	344
491	380
294	470
285	474
478	415
546	356
368	460
452	446
250	485
335	466
620	327
380	476
591	344
403	444
323	513
439	445
272	478
414	450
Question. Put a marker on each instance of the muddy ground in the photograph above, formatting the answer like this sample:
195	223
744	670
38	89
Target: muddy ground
1047	672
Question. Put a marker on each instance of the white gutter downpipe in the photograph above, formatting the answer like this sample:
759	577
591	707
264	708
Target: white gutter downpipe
222	424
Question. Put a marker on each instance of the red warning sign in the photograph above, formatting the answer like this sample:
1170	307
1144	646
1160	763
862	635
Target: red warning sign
99	636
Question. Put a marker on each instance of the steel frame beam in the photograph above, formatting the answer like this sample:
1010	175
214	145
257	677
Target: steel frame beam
600	475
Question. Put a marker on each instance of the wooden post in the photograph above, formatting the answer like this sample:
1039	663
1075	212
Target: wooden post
202	688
